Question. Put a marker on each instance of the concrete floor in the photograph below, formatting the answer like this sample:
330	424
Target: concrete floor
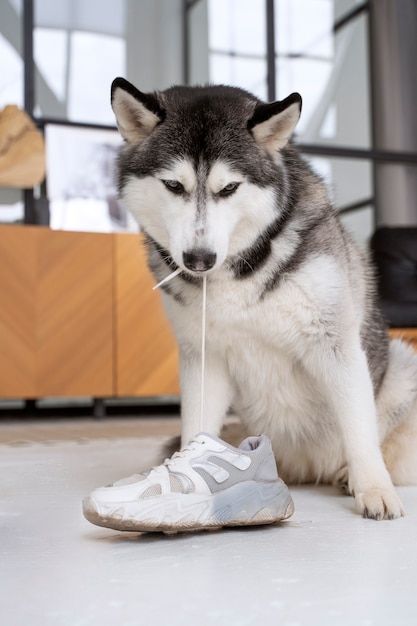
325	566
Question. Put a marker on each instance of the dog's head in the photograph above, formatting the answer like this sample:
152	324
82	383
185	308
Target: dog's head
201	167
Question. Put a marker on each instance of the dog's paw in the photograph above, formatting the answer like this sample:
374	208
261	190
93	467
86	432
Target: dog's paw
341	480
379	504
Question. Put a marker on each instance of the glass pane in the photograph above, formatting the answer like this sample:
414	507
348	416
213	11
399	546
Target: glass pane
52	67
11	91
304	27
309	77
95	60
249	74
238	26
11	74
329	69
78	51
237	44
349	182
81	181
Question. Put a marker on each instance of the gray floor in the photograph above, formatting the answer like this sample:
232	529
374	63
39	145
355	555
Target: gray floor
325	566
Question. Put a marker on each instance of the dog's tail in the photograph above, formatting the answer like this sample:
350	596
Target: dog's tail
396	405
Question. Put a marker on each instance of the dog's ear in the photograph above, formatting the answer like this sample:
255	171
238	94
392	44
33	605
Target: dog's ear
272	124
137	113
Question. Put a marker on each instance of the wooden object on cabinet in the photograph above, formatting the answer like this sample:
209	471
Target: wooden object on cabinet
56	313
146	351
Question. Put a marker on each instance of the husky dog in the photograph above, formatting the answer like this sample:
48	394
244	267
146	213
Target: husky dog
295	341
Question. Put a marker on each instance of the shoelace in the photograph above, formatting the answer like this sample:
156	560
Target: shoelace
203	336
190	447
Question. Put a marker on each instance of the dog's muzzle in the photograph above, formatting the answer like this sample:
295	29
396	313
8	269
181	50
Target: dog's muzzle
199	259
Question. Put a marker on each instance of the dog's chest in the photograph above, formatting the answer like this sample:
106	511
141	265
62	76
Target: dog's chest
301	309
260	340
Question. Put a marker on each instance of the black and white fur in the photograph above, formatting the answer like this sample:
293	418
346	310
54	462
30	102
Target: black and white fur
295	341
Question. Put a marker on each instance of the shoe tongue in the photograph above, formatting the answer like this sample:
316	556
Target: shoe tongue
247	445
202	436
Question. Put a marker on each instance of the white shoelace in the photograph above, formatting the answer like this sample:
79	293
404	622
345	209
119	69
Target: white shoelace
203	337
180	454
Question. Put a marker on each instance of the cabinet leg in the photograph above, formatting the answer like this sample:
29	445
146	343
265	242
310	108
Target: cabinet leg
30	407
99	408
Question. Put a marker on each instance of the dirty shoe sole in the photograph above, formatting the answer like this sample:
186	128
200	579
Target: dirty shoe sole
245	504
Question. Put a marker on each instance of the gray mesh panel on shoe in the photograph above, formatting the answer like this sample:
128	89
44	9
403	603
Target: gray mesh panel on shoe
262	468
180	483
175	483
150	492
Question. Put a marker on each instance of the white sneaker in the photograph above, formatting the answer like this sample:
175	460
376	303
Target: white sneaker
207	484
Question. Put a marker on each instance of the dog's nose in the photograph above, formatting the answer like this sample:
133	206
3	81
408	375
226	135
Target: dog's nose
199	259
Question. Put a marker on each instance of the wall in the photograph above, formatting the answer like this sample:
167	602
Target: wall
154	37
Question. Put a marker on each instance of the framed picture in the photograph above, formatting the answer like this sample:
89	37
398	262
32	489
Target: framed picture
81	180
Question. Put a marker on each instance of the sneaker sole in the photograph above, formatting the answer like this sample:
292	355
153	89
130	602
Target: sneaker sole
250	507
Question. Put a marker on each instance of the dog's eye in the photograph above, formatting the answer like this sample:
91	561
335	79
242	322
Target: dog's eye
174	186
228	190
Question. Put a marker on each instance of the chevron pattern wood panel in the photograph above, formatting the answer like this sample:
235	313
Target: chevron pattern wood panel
147	356
78	317
18	272
56	313
75	314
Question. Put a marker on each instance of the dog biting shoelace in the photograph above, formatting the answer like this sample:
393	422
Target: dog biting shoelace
206	484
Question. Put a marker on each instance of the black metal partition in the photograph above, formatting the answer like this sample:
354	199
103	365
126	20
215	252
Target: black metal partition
380	15
390	16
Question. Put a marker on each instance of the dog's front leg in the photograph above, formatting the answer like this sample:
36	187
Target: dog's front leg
218	394
342	373
354	405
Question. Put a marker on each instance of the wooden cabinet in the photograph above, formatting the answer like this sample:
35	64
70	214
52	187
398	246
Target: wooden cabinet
146	351
18	275
78	317
74	314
